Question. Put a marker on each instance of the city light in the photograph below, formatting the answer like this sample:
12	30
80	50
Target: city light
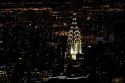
80	41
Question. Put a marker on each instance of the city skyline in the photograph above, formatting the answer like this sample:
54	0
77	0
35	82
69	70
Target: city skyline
62	1
79	41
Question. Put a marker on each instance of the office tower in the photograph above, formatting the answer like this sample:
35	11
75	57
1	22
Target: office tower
74	42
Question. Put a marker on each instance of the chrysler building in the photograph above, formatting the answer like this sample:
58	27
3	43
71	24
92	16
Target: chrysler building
74	42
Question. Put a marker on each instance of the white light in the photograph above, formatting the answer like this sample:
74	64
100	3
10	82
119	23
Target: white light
20	58
74	18
64	24
36	27
89	46
71	51
76	27
74	14
1	41
75	23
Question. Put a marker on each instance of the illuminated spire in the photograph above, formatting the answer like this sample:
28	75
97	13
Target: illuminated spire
74	39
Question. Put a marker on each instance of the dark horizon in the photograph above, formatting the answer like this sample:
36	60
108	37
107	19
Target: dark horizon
61	1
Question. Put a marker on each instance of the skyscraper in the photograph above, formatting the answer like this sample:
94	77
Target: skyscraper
74	42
